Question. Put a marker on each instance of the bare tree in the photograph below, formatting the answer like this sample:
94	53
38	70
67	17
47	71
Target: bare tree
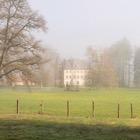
50	73
102	72
121	55
20	52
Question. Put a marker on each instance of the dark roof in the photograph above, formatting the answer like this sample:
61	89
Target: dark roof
75	64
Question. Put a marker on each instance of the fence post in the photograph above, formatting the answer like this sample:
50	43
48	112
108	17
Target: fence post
68	108
42	107
131	106
93	109
17	106
118	115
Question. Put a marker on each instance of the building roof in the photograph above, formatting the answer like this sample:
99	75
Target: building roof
75	64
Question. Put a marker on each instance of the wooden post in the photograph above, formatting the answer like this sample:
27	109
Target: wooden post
118	115
131	106
93	110
17	106
68	109
42	107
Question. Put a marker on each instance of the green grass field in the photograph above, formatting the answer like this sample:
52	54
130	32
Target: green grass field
80	125
106	102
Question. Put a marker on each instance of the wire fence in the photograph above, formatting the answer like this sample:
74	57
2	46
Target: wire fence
70	108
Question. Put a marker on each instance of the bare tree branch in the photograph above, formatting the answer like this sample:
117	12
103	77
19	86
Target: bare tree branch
20	52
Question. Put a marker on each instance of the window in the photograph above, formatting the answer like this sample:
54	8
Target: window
77	76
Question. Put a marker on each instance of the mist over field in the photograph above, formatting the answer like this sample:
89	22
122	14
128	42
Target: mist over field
75	25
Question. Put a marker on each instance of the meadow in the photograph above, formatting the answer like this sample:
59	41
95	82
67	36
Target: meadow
55	103
80	125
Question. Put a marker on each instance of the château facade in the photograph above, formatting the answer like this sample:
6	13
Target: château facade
75	72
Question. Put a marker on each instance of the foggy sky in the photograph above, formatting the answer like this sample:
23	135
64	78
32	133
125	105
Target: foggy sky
75	24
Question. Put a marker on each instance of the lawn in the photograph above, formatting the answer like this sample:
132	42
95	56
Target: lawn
55	103
80	125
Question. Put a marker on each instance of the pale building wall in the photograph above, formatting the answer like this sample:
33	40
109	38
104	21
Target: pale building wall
75	77
19	83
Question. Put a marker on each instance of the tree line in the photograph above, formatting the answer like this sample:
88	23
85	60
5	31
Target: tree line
118	65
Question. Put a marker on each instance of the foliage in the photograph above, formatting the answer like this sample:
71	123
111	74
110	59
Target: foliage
50	73
137	68
102	72
121	54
